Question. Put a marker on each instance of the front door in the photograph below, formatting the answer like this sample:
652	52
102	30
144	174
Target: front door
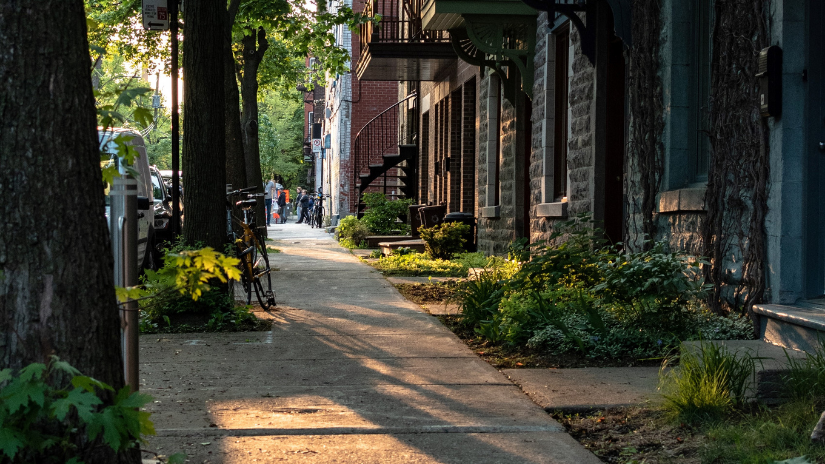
815	229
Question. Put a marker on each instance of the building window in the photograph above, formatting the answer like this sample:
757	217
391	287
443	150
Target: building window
493	148
424	149
701	86
686	95
555	124
560	110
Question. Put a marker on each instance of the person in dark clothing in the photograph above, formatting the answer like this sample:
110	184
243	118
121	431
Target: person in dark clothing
282	206
304	202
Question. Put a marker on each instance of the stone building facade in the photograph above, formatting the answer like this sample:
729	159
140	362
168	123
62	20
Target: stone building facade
647	115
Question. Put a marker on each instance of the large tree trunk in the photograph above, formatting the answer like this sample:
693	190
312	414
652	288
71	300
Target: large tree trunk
56	268
253	53
204	156
56	278
235	161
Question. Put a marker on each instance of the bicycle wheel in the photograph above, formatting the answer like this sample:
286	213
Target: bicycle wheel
262	280
247	253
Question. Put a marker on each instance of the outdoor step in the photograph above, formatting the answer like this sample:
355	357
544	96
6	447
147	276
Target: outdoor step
387	247
770	368
798	327
374	240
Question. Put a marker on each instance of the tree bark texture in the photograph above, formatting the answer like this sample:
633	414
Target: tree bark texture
56	268
253	52
204	129
57	292
235	161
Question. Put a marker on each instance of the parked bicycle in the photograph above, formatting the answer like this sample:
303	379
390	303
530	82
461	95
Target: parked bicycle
249	246
318	212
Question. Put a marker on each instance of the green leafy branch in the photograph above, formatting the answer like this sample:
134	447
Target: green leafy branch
43	423
188	272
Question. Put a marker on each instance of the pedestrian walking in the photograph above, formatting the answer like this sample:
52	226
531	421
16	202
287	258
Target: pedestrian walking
268	190
298	197
304	202
282	205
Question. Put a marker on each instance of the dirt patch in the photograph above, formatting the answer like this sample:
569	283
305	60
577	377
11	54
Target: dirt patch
506	357
624	435
430	293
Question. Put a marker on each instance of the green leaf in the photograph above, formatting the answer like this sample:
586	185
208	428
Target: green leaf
135	400
19	393
5	375
63	366
89	384
178	458
11	441
83	401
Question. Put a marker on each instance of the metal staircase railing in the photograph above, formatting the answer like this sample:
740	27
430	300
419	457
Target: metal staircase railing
385	149
380	137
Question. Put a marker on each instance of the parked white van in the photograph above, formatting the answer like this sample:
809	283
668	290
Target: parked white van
146	252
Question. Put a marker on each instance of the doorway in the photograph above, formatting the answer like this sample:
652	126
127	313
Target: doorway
614	143
815	237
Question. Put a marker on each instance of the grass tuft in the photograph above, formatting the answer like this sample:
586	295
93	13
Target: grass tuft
708	384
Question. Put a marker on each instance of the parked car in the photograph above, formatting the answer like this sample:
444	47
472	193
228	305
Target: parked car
163	209
146	249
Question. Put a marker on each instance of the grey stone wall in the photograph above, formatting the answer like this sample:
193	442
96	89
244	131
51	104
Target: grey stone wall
581	130
495	234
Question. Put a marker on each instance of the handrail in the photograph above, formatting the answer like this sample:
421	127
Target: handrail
397	25
379	135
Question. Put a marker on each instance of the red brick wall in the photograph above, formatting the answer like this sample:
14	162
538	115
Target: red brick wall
369	99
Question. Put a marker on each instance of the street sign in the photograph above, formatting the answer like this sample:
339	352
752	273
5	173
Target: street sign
155	15
316	145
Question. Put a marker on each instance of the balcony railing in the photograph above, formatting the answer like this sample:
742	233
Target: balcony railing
400	23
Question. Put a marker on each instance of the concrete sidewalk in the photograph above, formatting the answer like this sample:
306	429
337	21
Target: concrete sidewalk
350	373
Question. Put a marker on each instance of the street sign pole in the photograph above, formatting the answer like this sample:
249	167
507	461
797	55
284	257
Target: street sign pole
173	28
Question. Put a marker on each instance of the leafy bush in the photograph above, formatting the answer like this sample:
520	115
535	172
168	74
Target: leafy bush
351	244
444	240
708	383
418	264
572	258
381	214
43	423
353	229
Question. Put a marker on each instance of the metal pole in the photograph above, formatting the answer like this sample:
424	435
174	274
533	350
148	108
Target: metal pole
173	28
123	224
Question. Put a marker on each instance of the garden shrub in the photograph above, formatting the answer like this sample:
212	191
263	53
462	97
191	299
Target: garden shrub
444	240
418	264
381	215
353	229
580	294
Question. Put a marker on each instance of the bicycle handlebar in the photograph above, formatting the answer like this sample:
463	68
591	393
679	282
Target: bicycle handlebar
240	191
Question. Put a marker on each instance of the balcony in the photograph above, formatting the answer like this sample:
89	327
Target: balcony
448	14
397	48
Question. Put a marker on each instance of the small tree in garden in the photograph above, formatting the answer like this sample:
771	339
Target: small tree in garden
444	240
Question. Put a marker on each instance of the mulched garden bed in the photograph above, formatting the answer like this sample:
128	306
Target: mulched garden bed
625	435
440	292
197	323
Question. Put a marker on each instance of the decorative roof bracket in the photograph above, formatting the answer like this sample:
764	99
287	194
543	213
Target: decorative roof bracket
621	19
500	43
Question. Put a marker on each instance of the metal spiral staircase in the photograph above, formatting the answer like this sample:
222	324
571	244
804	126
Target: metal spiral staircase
385	153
